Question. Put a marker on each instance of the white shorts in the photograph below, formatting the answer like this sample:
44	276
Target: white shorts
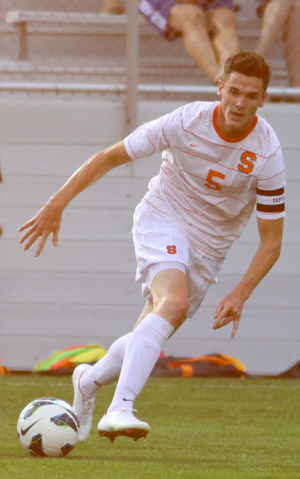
159	245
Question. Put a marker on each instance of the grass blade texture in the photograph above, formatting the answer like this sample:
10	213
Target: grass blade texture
200	428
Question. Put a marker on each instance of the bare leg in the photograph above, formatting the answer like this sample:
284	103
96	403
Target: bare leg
274	19
292	44
170	296
191	21
146	310
225	40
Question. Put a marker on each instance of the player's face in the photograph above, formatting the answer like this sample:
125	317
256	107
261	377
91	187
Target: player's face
240	95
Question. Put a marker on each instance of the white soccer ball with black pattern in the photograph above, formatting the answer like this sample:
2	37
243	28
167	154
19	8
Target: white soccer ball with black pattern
48	427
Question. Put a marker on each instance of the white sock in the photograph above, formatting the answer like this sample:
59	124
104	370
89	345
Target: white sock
142	352
106	370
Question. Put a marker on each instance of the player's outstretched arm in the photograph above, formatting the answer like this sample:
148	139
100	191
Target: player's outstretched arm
230	308
47	221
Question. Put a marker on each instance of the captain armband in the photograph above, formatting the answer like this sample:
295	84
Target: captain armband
270	201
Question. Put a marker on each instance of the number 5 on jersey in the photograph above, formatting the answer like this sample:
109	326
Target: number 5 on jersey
211	180
246	165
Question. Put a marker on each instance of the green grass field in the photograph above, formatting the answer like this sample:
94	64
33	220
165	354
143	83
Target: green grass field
210	429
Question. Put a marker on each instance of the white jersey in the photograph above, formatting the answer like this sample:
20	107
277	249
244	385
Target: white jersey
208	184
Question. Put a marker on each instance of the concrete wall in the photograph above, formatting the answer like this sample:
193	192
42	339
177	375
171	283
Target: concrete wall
84	290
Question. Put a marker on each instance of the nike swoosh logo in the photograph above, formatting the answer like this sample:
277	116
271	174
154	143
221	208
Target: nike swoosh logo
24	431
124	399
194	145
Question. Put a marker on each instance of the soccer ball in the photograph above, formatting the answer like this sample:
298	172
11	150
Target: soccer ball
48	427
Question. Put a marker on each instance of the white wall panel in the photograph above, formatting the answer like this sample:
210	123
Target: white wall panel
284	119
120	193
105	320
59	122
118	256
263	349
78	224
44	160
118	288
110	193
103	224
68	287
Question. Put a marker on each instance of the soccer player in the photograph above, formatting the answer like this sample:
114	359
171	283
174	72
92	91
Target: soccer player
219	160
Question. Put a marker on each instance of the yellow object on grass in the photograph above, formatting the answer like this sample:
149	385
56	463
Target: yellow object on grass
69	358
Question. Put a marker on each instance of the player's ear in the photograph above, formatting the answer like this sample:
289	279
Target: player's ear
220	88
264	99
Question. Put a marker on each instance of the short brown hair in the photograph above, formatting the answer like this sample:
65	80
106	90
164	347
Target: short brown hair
250	64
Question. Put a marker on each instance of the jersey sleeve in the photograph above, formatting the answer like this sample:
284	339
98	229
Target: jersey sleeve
157	135
270	195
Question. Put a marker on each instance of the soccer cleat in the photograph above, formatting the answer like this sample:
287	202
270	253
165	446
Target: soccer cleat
82	405
122	423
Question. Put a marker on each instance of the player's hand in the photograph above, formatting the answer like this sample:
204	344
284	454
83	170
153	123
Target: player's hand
229	310
45	222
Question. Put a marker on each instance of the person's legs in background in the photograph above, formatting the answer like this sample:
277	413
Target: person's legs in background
191	21
292	44
222	22
274	19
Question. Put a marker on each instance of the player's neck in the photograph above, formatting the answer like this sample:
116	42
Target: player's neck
233	132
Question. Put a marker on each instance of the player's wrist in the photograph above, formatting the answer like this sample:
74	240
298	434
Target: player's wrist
59	201
243	291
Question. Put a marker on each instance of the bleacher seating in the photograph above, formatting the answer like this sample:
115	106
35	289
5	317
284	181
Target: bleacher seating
68	23
47	45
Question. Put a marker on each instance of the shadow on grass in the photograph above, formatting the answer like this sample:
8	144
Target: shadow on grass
144	460
119	459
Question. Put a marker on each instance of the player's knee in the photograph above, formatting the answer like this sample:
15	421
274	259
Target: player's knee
176	305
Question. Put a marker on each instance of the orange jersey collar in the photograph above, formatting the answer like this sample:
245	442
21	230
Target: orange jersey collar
223	136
